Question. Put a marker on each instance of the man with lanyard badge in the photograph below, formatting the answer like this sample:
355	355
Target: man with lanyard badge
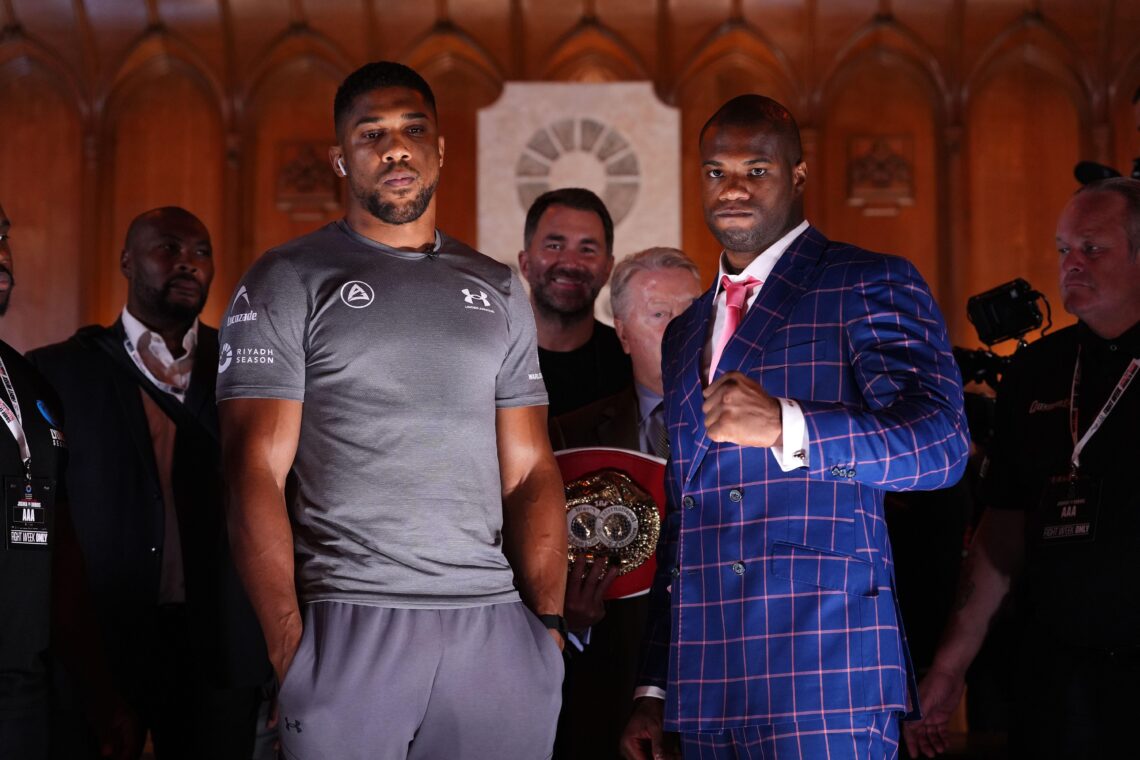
1062	525
41	583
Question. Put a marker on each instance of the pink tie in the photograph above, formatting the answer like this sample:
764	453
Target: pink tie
735	298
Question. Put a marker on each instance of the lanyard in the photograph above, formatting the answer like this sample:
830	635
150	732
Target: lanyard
13	418
132	352
1125	380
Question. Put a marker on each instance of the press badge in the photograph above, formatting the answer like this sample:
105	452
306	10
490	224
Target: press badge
1069	509
29	507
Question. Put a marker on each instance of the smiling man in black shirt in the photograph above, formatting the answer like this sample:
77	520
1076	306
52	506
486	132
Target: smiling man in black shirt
567	257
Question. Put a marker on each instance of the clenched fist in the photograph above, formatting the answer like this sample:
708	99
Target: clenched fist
737	410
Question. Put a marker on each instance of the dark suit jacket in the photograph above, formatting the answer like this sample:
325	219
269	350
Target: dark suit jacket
611	421
116	503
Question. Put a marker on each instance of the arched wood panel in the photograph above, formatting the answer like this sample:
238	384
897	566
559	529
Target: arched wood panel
290	131
463	79
1126	121
878	163
164	147
1024	137
593	53
460	91
41	155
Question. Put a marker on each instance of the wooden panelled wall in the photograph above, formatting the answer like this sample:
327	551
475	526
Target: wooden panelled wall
110	107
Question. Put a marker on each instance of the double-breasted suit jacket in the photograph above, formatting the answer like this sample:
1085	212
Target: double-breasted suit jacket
774	598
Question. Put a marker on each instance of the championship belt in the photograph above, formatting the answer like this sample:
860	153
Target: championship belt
614	510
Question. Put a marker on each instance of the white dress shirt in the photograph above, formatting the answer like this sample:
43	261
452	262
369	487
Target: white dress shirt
158	364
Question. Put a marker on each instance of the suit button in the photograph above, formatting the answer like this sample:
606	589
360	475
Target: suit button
688	502
738	568
675	572
835	471
735	495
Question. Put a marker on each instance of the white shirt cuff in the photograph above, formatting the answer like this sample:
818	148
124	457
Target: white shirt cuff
653	692
793	453
579	642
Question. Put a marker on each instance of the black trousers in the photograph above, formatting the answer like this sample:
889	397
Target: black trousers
597	695
189	716
1076	703
24	731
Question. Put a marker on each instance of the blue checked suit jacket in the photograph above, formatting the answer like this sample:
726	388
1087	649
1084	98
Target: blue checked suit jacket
774	599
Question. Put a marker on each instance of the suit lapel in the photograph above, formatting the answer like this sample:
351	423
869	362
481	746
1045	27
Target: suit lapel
781	291
618	424
793	273
690	386
200	399
127	391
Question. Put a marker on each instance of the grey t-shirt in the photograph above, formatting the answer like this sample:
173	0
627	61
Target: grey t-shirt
401	359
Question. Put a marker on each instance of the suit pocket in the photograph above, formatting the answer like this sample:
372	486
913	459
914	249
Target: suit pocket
823	569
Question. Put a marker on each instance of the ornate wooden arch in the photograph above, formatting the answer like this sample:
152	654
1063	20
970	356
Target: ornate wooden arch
297	46
1033	40
592	47
1127	78
885	40
156	53
736	44
21	54
447	48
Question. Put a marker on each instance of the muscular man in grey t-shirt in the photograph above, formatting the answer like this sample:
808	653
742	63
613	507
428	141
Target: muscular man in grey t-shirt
384	426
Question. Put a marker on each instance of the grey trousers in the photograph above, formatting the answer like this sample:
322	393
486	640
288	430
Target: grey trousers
380	683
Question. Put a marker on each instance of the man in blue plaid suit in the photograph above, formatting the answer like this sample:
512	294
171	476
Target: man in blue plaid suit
774	629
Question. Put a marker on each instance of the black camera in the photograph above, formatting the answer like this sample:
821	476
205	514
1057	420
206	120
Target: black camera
1006	312
978	365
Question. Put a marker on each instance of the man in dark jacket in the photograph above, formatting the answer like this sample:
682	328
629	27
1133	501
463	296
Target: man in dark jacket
145	487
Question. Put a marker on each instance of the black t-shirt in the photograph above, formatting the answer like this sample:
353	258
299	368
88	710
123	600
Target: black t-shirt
25	572
597	369
1079	588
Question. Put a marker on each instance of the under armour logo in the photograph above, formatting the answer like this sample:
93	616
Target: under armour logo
471	298
293	725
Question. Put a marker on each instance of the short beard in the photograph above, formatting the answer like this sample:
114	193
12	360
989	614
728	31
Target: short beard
564	318
159	304
751	240
397	213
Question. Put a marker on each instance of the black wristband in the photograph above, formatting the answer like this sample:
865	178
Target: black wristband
554	623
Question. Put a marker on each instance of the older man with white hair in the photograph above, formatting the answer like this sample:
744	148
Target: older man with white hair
647	290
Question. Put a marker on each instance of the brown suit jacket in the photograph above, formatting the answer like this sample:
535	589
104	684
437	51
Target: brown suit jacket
611	421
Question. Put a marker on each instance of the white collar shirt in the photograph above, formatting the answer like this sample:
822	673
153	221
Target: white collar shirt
760	268
155	359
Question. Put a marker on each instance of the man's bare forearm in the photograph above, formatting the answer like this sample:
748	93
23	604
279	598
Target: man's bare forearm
262	543
534	509
534	534
995	556
259	439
